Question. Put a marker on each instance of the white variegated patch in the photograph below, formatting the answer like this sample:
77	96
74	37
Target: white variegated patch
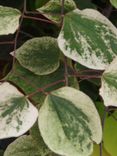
17	114
88	38
108	90
67	122
9	20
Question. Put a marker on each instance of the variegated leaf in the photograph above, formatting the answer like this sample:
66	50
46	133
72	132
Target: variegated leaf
39	55
69	122
114	3
52	9
25	146
17	114
89	38
108	89
9	20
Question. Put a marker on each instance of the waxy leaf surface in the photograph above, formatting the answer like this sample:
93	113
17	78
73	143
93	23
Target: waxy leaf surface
67	122
88	38
17	114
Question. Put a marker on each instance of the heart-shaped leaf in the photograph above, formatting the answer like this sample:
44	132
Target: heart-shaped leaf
52	9
9	20
89	38
25	146
17	114
39	55
67	122
108	89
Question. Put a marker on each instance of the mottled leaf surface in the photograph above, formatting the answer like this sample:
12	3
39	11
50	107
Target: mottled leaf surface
30	82
39	55
9	20
110	134
88	38
114	3
25	146
67	123
17	114
108	89
52	9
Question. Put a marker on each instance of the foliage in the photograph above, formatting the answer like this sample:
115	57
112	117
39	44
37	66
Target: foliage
61	79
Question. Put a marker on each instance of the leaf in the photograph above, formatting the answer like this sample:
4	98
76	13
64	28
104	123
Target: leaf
82	4
17	114
29	82
108	89
114	3
110	135
1	152
88	38
52	9
24	146
35	134
68	124
39	55
40	3
9	18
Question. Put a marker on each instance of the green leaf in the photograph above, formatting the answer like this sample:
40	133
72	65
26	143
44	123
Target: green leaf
29	82
88	38
1	152
68	124
114	3
9	18
35	133
110	135
39	55
17	114
82	4
40	3
52	9
25	146
108	89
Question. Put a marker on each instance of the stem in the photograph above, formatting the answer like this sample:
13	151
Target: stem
17	35
45	87
39	19
7	42
66	72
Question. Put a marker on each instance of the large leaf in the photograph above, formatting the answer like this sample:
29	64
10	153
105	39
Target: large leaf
114	3
108	89
29	82
82	4
25	146
9	20
17	114
89	38
39	55
69	122
52	9
110	135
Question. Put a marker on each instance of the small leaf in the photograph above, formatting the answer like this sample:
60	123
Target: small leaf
68	124
88	38
24	146
52	9
9	20
108	89
110	134
39	55
30	82
17	114
114	3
